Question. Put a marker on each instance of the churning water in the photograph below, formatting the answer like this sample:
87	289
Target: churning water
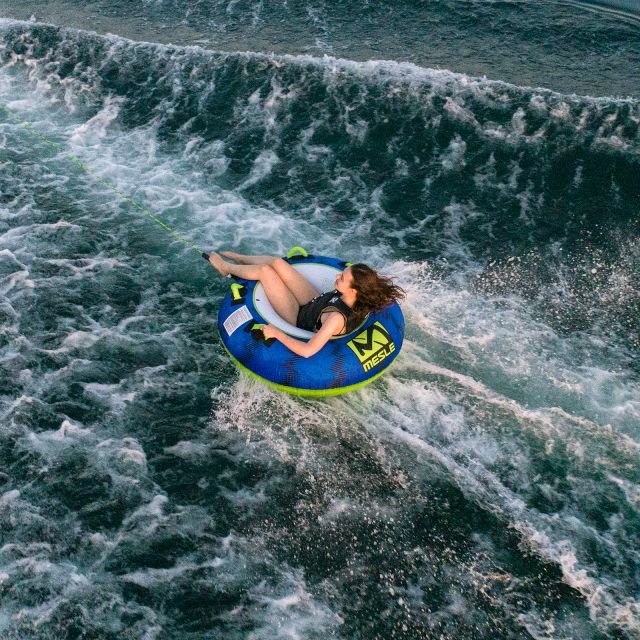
487	487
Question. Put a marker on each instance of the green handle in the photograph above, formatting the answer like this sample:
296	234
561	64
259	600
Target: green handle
297	251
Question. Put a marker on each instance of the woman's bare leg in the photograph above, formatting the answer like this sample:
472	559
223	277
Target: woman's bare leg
301	288
240	258
281	298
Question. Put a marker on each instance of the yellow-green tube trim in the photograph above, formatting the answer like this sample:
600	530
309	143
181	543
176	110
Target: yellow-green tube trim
307	393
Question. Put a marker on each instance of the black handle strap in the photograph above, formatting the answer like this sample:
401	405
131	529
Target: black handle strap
258	336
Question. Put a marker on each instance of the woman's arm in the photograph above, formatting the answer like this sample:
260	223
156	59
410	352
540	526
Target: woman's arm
331	326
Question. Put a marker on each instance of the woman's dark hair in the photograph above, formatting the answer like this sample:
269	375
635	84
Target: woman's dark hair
374	292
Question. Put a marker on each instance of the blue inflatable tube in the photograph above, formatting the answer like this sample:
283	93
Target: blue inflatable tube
343	364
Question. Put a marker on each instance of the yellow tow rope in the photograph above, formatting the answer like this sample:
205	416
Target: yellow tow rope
103	181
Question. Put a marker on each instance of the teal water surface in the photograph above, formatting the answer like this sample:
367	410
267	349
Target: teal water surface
487	487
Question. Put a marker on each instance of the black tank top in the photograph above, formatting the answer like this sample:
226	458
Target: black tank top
310	314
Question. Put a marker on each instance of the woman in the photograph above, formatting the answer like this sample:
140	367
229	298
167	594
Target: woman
359	290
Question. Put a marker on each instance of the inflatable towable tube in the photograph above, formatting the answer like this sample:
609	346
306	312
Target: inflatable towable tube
345	363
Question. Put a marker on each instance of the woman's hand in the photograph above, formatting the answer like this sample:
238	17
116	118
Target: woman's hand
270	331
332	326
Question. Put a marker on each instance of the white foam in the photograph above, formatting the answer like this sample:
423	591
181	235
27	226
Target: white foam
631	490
155	508
124	459
9	496
135	456
80	340
70	428
453	157
188	449
93	131
152	577
338	508
459	112
289	612
262	167
244	498
110	394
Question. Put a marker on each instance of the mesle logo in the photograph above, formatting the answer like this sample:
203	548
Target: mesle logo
372	346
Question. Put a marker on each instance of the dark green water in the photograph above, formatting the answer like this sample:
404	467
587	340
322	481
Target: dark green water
487	487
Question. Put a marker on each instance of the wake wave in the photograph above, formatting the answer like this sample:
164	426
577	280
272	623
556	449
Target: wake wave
488	485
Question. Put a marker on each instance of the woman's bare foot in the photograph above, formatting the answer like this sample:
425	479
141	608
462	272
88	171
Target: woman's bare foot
218	264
